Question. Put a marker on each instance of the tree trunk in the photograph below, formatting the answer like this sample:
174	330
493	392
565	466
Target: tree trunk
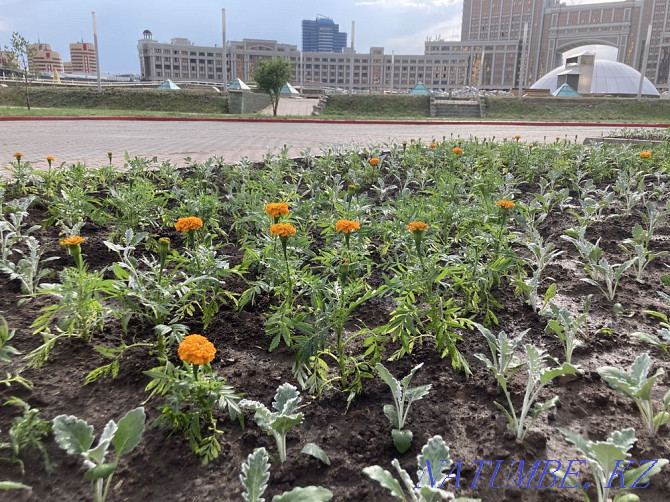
27	92
275	105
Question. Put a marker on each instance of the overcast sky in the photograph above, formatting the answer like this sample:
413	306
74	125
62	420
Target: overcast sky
397	25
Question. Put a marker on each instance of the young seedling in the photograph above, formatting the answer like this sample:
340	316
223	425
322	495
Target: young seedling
278	423
661	340
435	459
609	274
538	377
635	385
27	433
255	476
76	437
566	327
607	460
503	349
403	397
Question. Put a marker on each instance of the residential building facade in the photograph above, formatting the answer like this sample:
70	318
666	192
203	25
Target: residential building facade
82	58
44	58
445	64
179	60
322	35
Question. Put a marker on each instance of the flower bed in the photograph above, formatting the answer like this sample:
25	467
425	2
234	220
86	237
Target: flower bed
200	293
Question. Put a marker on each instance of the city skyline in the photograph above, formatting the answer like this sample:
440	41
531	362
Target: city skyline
397	25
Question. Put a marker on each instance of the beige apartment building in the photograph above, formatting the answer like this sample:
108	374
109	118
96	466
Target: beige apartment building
82	58
444	64
44	58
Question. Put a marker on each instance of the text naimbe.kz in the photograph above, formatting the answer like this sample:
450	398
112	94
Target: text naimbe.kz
521	474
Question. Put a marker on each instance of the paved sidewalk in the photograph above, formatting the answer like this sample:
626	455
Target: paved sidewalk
293	107
89	140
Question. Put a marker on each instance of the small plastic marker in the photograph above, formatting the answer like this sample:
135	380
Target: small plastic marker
586	484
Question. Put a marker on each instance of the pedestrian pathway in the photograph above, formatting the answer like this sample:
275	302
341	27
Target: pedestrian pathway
89	141
292	107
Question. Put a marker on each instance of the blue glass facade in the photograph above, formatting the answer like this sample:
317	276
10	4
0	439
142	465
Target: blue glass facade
322	35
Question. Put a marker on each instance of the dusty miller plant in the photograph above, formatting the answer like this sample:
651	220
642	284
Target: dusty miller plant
637	385
256	474
403	397
604	458
539	375
435	458
75	436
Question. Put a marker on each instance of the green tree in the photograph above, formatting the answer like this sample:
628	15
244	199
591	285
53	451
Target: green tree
19	54
270	76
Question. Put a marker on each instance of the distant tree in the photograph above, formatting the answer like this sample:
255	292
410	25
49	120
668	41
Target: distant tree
19	54
270	76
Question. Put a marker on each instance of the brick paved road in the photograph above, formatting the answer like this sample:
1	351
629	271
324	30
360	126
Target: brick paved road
89	141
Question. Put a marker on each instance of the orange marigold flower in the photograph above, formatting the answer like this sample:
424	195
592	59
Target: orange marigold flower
196	349
51	158
374	161
18	155
517	137
72	241
505	204
282	229
347	226
417	226
457	151
432	145
276	209
645	155
188	224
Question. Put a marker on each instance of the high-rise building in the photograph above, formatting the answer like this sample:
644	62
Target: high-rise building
554	28
44	58
82	58
322	35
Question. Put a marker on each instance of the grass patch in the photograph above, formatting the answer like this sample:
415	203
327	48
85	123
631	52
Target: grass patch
117	98
579	109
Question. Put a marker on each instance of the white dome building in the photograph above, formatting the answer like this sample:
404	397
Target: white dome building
588	75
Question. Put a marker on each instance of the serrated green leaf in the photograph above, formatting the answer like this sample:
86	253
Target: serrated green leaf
539	408
389	380
98	454
72	434
282	424
129	431
550	293
416	393
255	475
315	451
386	480
631	476
102	471
437	452
608	454
565	369
306	494
287	398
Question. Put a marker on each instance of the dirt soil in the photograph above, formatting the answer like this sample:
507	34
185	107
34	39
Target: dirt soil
460	409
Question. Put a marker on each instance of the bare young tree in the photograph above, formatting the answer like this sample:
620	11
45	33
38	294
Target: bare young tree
19	54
